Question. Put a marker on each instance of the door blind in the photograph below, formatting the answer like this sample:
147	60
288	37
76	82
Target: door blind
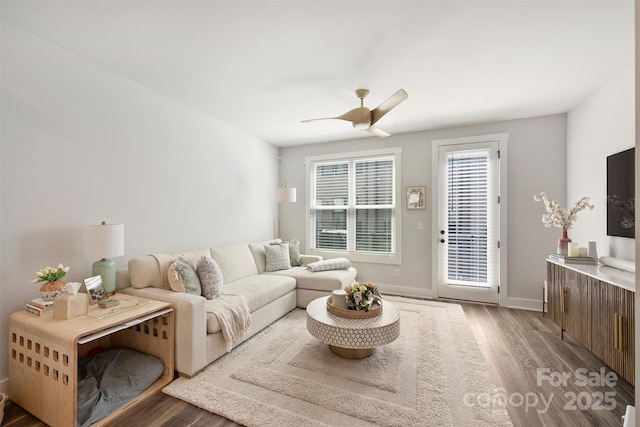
468	227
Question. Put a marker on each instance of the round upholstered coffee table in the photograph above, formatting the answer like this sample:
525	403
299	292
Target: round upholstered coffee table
353	338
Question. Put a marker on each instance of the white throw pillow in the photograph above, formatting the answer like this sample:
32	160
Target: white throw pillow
330	264
277	257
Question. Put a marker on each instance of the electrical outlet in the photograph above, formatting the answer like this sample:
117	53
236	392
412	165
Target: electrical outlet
396	272
420	225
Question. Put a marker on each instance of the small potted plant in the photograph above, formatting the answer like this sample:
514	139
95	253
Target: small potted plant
53	284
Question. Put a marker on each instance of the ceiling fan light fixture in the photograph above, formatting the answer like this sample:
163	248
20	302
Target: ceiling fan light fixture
362	125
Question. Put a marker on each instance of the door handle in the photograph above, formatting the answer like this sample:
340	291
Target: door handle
620	332
618	337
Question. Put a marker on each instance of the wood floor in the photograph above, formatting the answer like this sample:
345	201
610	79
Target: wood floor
515	344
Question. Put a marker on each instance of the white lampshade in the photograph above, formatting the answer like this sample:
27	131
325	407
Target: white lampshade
286	194
103	241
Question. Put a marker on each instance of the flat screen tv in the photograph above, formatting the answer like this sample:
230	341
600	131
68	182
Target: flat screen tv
621	209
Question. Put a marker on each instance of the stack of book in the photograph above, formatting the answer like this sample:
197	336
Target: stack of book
565	259
39	306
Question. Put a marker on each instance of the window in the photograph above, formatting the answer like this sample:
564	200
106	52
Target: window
352	209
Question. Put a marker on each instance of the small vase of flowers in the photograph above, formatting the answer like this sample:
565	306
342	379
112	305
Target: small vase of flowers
52	278
360	296
560	217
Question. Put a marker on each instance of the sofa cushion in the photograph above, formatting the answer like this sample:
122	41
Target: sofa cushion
144	272
257	249
277	256
151	270
210	277
330	264
257	290
294	253
320	281
183	277
308	259
176	283
235	261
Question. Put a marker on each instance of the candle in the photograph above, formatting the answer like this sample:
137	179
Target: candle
582	252
339	298
574	250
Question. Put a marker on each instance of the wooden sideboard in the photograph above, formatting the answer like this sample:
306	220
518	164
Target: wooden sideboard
597	309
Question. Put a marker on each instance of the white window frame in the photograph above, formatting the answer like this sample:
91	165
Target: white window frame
382	258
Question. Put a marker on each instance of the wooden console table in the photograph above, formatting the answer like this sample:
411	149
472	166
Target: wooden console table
44	353
595	305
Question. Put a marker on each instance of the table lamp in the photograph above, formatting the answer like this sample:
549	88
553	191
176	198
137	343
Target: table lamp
104	241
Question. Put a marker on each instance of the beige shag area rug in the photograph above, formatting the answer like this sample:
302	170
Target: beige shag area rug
430	376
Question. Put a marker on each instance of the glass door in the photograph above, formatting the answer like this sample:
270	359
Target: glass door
468	221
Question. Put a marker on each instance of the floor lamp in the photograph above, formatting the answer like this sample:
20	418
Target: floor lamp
285	194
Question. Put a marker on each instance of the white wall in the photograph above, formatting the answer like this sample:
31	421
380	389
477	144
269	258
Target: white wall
637	258
537	162
601	125
81	144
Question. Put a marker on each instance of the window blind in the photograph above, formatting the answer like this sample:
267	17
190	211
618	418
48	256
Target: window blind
331	201
468	208
374	205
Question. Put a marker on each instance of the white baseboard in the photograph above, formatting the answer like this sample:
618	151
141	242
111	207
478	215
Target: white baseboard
524	304
411	292
405	291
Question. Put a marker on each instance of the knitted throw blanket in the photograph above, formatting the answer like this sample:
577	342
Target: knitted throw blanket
234	317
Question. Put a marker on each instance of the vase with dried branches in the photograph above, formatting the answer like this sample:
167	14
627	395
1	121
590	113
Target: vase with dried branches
558	216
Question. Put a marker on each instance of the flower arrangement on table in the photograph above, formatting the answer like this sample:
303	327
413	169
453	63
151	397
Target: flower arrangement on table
52	276
561	218
360	296
558	216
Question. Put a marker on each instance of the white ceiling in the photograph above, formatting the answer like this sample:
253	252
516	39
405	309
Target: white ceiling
263	66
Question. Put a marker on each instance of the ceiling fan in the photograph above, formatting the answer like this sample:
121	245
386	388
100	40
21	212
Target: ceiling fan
365	119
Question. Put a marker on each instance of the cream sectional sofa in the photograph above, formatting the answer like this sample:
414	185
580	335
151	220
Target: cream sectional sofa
269	295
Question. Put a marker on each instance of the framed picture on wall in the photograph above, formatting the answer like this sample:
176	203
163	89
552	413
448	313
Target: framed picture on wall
416	197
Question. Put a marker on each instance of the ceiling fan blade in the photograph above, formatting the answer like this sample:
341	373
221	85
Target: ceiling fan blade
360	117
357	116
317	120
388	105
377	132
